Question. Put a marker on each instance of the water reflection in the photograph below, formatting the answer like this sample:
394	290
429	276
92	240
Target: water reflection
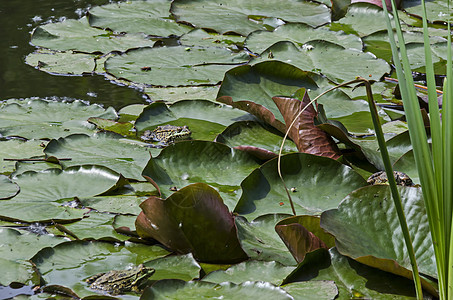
18	80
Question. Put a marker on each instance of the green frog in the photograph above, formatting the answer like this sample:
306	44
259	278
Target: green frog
118	282
381	178
167	134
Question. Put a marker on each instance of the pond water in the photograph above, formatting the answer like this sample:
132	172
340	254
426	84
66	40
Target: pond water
19	80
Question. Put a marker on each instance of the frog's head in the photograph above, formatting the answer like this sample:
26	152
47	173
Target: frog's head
142	275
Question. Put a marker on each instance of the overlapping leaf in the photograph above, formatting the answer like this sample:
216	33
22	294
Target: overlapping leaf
188	162
317	183
173	66
365	227
36	118
149	17
195	220
243	18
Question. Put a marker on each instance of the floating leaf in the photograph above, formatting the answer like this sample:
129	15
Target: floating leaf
299	34
8	189
204	118
78	35
234	16
149	17
29	212
173	94
173	66
183	267
316	183
361	19
365	229
199	37
255	134
17	149
251	270
62	63
70	264
353	279
335	62
178	289
193	219
76	181
36	118
261	242
187	162
104	149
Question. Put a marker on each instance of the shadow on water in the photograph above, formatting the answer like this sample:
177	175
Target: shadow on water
19	80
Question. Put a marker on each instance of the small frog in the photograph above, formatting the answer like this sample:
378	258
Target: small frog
118	282
381	178
167	134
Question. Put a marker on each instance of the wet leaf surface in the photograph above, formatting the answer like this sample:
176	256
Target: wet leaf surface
317	184
194	219
373	209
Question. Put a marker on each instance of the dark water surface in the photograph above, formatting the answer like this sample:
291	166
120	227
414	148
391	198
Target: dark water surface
19	80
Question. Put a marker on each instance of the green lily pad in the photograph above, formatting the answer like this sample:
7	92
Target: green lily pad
173	94
177	289
251	88
36	118
193	219
183	267
317	183
119	204
70	264
199	37
22	245
234	16
435	10
260	240
21	271
104	149
76	181
173	66
8	189
257	135
300	34
158	113
312	290
354	280
78	35
66	63
17	149
365	227
95	225
335	62
29	212
188	162
362	19
251	270
149	17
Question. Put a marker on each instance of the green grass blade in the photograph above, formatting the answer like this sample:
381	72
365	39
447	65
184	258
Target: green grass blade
422	153
447	136
435	124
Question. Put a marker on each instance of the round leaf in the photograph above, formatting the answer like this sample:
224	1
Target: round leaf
150	17
76	181
173	66
235	16
366	228
317	183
